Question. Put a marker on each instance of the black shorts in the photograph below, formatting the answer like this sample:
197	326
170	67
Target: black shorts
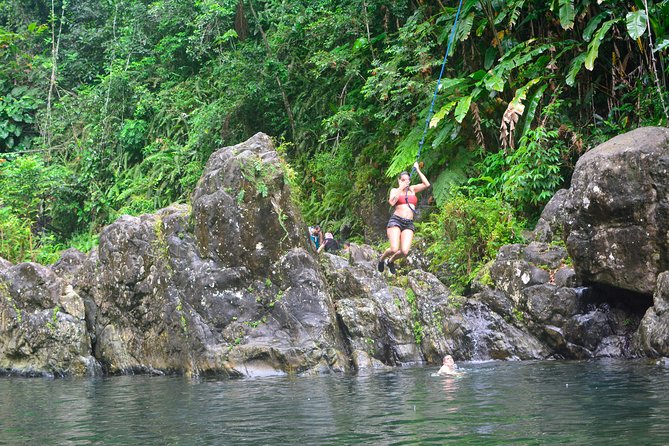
402	223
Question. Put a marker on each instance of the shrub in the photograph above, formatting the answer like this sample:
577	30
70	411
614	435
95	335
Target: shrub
15	236
464	234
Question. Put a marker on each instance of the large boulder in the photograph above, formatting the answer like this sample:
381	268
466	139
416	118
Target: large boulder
616	214
229	288
243	215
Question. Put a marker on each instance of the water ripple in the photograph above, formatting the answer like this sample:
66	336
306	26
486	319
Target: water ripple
520	403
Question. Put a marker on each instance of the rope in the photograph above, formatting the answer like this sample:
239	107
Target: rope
436	90
434	99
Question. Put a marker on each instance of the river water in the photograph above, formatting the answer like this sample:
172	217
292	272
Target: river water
520	403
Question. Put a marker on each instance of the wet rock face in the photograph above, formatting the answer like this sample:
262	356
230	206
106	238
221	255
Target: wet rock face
616	213
653	334
417	320
228	288
242	213
42	325
530	287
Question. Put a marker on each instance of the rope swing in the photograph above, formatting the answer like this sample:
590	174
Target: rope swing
434	99
436	90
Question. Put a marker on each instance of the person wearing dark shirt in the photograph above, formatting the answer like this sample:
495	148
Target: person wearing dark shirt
330	244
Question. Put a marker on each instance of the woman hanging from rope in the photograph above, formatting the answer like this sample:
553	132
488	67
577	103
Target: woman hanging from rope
400	227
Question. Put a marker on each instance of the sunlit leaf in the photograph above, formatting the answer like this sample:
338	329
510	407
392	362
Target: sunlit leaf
462	108
567	14
593	47
494	83
636	23
443	111
662	45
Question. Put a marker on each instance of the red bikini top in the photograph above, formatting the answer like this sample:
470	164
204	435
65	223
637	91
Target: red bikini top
413	199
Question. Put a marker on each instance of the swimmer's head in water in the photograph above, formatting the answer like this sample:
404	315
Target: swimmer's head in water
448	361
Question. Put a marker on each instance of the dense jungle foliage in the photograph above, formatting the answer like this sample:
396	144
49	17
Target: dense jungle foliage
113	106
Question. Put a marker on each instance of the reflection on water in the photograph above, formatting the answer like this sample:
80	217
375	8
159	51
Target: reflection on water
605	402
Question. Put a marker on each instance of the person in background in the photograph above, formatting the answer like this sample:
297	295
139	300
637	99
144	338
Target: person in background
316	236
330	244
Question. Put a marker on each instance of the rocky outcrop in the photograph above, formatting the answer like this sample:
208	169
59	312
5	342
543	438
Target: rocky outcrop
532	287
416	319
229	285
616	213
42	324
614	219
653	336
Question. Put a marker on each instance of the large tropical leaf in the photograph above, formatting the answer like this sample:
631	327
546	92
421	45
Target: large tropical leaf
494	83
567	14
593	47
464	28
443	111
636	23
574	69
462	108
592	25
532	108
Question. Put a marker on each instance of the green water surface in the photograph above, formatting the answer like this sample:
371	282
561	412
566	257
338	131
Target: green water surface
494	403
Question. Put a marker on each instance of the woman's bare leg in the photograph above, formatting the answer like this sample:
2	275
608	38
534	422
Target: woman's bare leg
406	238
394	235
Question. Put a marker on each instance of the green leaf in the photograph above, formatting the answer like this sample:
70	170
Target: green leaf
443	111
405	153
567	14
359	43
574	69
478	75
636	23
593	24
521	93
494	83
462	108
531	108
445	132
593	47
490	56
662	45
465	28
515	13
448	83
